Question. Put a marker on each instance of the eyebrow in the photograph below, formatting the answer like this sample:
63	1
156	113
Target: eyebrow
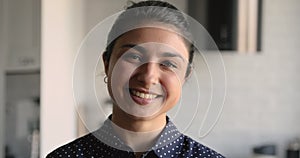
135	46
169	54
143	51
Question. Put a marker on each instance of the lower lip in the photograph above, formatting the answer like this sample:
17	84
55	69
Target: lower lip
141	101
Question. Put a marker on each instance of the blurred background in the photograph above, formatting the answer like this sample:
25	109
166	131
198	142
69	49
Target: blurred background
259	41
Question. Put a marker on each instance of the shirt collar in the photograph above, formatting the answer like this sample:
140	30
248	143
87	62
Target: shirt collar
107	135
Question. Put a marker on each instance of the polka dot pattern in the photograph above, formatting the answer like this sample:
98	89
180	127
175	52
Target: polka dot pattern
104	143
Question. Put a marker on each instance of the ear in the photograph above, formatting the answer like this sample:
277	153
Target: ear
105	61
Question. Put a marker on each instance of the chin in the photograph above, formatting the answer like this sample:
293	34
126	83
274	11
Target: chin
147	118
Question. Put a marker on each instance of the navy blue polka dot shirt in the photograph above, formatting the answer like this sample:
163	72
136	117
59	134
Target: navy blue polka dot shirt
104	143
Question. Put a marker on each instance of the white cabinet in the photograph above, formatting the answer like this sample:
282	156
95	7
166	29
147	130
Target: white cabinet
19	75
21	114
23	61
22	30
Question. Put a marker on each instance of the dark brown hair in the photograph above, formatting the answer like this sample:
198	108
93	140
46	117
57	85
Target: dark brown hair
154	11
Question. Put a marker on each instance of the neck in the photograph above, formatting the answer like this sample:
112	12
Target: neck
138	133
138	141
136	124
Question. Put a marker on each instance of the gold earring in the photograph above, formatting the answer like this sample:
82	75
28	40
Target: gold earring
105	79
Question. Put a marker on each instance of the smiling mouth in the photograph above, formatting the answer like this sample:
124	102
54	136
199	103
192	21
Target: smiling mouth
143	95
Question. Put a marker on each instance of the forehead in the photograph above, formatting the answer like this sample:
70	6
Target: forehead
153	35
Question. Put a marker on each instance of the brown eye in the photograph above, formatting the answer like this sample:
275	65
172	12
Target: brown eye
133	57
168	64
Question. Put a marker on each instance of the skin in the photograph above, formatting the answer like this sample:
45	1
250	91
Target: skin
153	76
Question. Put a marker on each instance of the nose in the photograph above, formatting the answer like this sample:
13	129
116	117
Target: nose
148	74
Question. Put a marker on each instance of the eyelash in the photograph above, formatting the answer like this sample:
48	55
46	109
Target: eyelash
168	64
132	57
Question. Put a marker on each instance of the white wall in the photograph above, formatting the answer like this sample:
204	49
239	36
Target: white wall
263	94
61	36
97	10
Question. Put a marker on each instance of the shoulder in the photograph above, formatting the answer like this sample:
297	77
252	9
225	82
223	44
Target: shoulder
192	148
77	148
182	145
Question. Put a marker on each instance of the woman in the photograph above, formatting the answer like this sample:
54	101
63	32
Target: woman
147	60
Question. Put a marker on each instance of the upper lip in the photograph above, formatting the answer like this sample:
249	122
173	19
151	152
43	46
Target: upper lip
143	90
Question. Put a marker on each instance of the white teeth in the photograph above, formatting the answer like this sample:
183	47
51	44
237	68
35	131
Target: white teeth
144	95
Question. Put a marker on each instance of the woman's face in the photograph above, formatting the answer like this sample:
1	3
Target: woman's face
146	71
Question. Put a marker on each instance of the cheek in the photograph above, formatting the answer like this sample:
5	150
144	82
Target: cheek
120	72
119	75
173	86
